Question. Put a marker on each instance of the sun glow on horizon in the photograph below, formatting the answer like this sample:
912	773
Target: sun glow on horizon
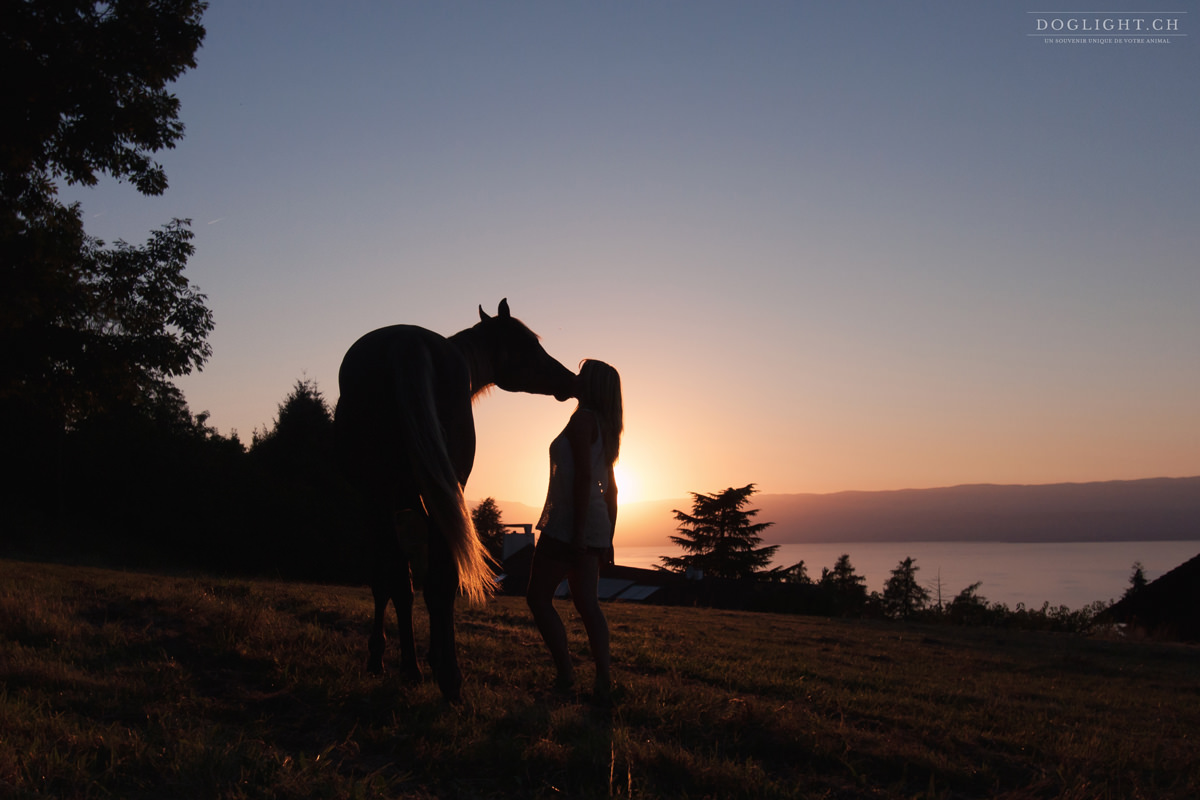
627	484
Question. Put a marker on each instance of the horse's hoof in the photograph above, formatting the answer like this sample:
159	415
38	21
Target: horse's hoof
375	648
451	686
449	679
375	661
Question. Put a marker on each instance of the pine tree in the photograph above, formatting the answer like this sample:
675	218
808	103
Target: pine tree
847	589
969	607
719	536
797	573
902	595
302	434
1137	580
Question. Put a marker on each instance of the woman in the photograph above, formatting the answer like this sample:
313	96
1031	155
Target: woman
578	521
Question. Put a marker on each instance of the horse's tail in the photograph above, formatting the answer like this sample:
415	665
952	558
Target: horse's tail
429	459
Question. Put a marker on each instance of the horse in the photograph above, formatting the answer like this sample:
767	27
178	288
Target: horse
405	441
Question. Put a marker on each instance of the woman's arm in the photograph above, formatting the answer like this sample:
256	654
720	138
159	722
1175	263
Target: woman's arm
611	498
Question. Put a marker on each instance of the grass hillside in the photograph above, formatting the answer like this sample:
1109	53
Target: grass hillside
116	684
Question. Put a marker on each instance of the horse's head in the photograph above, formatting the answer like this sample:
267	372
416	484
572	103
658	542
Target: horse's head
519	363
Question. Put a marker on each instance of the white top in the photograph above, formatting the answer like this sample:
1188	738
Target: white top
558	515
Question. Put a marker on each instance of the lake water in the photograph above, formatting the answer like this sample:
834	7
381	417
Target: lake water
1072	574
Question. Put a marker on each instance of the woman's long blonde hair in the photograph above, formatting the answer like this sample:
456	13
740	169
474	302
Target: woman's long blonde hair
600	391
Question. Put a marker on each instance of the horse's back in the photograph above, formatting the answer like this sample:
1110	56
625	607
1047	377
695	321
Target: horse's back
379	355
386	371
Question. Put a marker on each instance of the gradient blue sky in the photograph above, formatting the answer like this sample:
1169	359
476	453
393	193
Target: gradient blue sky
829	246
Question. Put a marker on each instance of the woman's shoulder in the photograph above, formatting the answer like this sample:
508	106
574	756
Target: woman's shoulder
587	416
584	422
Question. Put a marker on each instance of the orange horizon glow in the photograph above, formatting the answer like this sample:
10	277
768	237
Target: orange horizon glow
662	458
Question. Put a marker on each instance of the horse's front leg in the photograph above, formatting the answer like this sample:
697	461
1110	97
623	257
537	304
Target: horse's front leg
441	588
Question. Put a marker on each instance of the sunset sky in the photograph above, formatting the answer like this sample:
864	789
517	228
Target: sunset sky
829	246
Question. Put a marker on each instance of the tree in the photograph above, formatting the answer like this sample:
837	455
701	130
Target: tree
83	327
303	511
304	409
150	482
490	528
720	538
935	592
1137	581
969	607
797	573
847	590
902	595
92	90
298	449
843	577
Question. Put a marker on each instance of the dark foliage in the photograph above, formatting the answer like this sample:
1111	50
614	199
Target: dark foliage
902	595
490	527
301	526
136	485
152	485
90	336
843	588
797	573
1137	581
85	328
92	95
111	461
719	538
1167	608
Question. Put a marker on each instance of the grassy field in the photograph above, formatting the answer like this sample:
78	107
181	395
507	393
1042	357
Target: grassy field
117	684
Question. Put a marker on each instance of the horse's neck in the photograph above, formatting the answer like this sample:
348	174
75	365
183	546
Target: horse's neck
478	357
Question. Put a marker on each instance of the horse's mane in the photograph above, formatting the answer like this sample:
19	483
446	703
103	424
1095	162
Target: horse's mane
467	342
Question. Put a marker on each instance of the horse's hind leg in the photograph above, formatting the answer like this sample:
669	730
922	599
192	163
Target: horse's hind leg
390	583
441	587
409	668
383	555
380	555
396	588
377	642
411	536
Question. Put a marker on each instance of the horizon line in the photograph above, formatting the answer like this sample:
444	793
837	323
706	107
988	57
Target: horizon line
907	488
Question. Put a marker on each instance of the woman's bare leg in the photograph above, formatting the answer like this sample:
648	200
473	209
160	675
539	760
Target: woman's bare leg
544	577
584	578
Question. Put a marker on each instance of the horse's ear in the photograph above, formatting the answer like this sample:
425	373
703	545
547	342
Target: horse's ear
483	317
504	312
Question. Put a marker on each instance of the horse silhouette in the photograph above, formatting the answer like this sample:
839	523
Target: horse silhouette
406	441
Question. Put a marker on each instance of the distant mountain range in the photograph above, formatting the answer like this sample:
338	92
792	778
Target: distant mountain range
1156	509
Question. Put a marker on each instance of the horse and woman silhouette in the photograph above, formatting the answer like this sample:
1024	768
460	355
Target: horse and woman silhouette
406	441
